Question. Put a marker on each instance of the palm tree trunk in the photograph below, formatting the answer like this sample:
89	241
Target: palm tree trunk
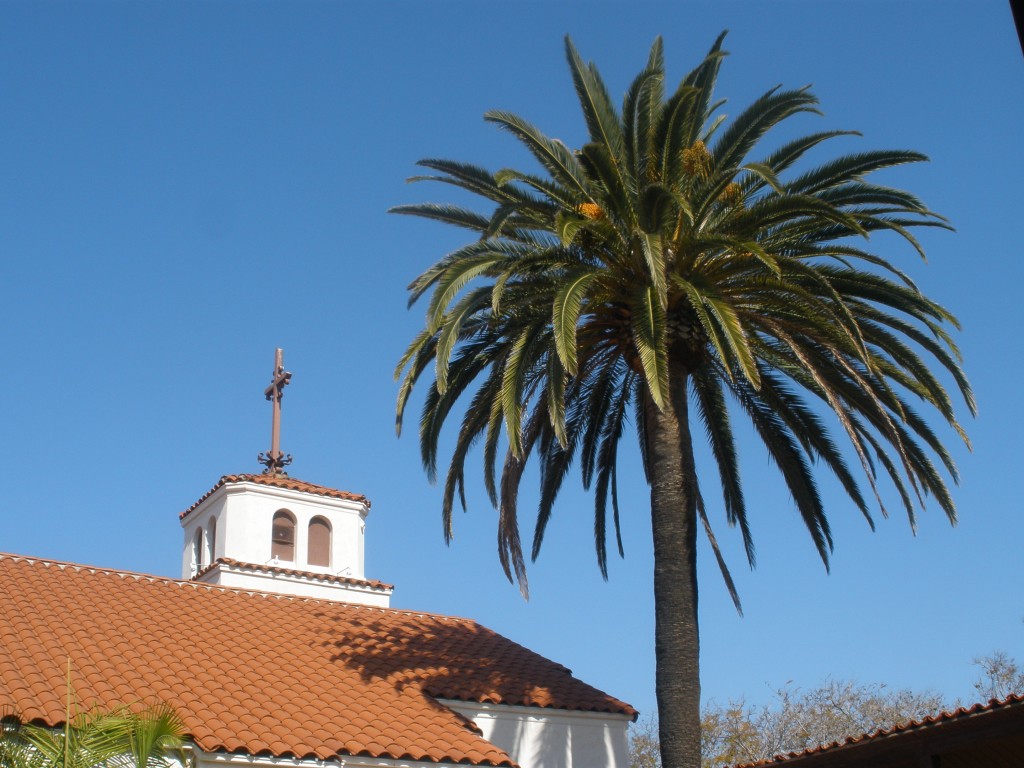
674	523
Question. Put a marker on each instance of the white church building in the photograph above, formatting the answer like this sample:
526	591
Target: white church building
276	650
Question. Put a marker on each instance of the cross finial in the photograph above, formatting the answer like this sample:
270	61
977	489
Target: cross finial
275	460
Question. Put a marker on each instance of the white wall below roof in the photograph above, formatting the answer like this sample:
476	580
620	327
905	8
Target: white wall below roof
297	584
551	738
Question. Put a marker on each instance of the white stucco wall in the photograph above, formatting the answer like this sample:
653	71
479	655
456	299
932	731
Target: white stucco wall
244	513
298	585
552	738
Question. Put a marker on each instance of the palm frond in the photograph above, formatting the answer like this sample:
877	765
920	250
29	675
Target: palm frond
550	153
649	338
756	120
714	412
446	214
598	111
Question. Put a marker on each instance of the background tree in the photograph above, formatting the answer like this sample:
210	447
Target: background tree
797	719
1001	676
644	751
737	733
659	274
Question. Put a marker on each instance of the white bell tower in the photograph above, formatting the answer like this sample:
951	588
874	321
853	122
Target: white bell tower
272	533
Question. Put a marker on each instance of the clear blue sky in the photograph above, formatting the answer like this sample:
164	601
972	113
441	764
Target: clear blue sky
185	186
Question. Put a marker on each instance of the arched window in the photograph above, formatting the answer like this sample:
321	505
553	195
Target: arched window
197	550
282	545
319	552
211	540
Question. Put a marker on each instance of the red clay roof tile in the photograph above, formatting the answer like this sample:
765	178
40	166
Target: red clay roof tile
277	481
314	677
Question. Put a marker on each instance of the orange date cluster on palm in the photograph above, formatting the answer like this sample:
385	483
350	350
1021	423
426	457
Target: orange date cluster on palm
591	211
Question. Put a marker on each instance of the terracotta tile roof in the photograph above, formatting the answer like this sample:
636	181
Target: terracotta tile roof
963	725
266	568
266	674
277	481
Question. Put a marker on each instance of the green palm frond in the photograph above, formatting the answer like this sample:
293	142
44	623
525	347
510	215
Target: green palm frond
568	305
602	121
535	211
672	136
714	412
783	158
471	178
639	112
552	154
142	736
849	168
601	167
702	79
756	120
447	214
792	463
649	339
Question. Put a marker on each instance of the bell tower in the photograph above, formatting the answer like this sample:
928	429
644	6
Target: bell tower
273	533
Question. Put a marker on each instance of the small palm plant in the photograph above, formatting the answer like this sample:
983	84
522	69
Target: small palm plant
660	275
149	736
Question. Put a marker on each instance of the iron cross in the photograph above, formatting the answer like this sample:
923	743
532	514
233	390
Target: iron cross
275	460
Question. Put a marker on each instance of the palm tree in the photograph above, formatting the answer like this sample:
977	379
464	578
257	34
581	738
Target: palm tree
147	736
658	274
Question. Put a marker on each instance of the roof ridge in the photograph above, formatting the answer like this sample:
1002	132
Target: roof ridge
46	562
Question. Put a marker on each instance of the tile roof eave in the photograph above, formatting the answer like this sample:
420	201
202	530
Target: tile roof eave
373	584
620	710
284	483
